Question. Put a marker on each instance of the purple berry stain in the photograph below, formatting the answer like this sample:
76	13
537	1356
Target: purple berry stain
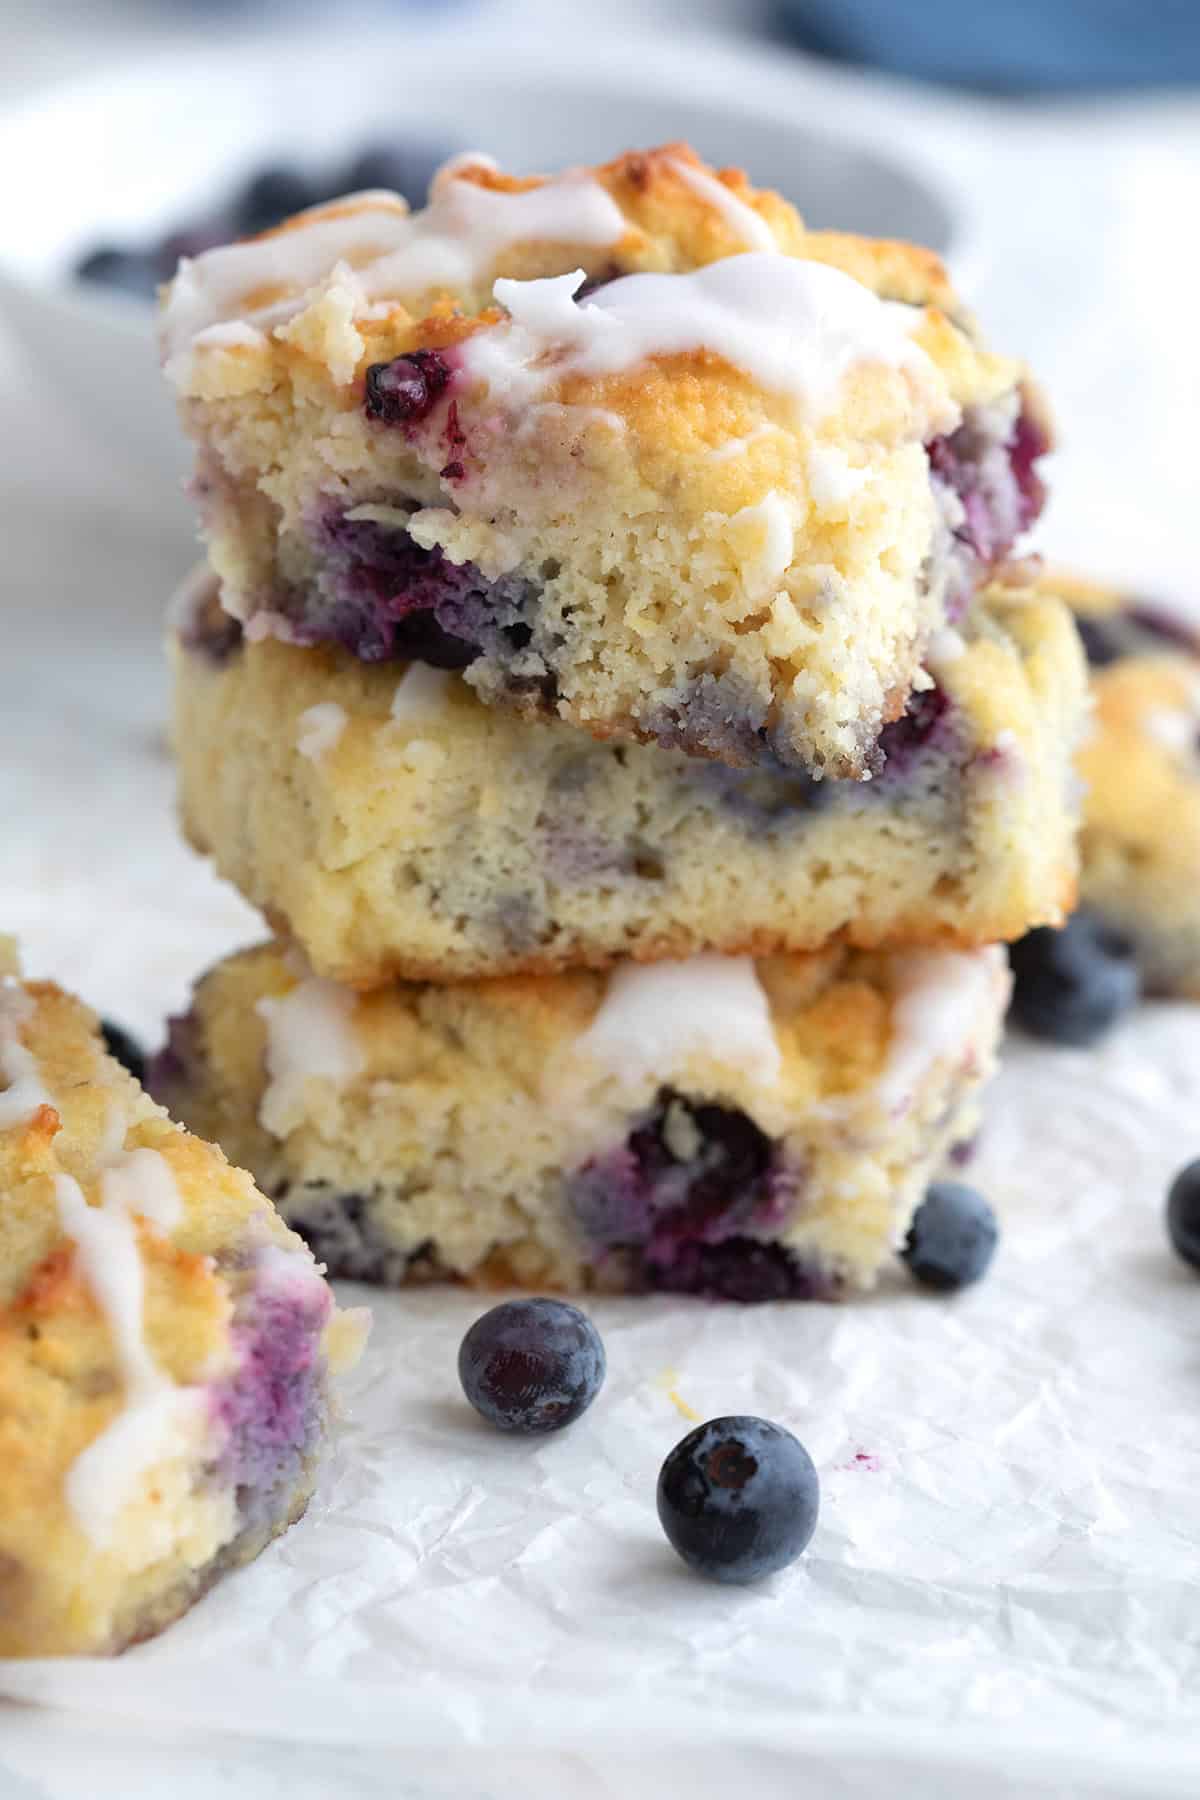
389	598
997	484
270	1407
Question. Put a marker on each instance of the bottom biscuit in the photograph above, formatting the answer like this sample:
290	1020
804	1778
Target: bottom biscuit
747	1130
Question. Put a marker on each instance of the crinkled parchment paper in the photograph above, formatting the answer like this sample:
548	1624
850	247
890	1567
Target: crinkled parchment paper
1003	1594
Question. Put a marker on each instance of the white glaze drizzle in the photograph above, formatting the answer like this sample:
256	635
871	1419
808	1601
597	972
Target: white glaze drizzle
945	646
457	165
796	327
656	1017
1171	728
24	1091
310	1032
155	1413
229	334
420	691
939	997
746	224
391	253
832	479
140	1180
770	521
320	729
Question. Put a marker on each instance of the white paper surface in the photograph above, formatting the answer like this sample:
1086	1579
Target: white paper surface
1003	1594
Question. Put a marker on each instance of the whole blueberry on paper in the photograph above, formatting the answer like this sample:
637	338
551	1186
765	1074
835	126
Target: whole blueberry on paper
532	1366
1183	1214
952	1238
1071	986
738	1499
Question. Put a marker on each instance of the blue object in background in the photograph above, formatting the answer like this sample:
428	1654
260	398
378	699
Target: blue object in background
1009	46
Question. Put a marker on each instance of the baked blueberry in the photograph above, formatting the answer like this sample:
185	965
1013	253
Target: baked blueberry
1070	986
122	1045
532	1366
1183	1214
405	390
738	1499
913	729
738	1268
952	1238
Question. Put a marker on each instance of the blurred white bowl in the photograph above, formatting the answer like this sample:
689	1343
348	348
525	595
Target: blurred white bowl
128	153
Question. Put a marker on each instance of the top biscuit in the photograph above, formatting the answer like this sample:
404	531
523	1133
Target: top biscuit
630	444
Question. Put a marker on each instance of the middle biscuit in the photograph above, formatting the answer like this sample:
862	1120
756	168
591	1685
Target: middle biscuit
394	826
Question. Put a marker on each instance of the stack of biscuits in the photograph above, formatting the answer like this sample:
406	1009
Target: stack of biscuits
612	680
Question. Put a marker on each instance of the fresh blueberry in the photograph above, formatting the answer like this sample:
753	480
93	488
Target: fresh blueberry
996	482
271	196
952	1238
532	1365
738	1499
1070	986
125	1048
405	390
1183	1214
127	270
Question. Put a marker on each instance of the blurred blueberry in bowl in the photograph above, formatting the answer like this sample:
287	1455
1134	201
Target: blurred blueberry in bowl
270	194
